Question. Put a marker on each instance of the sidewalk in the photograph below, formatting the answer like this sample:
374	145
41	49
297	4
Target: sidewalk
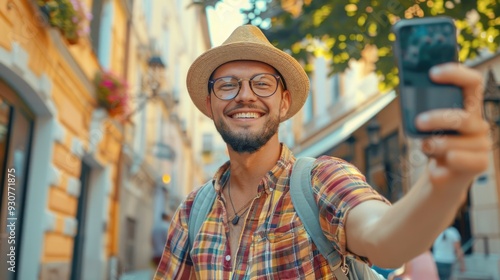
138	275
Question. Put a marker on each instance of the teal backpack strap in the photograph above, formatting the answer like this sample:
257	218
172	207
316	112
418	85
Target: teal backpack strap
304	203
201	206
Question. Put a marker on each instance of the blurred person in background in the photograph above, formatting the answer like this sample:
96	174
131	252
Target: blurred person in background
447	250
422	267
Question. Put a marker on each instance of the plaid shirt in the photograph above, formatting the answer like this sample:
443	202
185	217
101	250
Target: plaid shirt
274	243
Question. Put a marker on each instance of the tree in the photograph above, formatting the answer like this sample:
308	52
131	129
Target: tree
339	29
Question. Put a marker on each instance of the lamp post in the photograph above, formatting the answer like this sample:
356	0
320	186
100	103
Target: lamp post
492	106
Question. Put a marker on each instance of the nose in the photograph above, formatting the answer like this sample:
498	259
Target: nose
246	94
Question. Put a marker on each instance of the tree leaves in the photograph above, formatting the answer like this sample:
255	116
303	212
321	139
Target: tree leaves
339	29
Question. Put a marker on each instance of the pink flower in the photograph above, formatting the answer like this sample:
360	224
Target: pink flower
108	84
112	93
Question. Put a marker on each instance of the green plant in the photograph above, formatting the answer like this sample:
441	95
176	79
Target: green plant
70	16
112	93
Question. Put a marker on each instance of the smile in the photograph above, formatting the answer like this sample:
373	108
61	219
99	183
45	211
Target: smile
247	115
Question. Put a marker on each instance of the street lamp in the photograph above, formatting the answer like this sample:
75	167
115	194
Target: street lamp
492	104
151	83
156	62
155	73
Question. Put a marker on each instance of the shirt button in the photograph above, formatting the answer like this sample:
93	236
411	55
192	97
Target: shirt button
228	258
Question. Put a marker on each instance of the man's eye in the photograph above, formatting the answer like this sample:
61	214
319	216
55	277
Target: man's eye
228	86
260	84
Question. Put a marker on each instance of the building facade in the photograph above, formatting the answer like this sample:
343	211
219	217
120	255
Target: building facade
162	155
63	195
86	173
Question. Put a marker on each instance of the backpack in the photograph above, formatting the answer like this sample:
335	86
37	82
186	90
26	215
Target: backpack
302	196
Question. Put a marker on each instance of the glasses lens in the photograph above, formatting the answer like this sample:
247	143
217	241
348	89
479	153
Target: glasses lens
226	88
264	84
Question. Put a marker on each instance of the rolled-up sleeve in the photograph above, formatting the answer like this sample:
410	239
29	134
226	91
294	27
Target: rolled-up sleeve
339	186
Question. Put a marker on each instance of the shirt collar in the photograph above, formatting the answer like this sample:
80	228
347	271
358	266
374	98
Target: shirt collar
269	181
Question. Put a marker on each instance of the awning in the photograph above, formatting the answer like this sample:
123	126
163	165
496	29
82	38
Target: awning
346	128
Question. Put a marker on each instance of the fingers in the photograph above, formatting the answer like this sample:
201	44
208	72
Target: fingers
468	121
464	153
462	162
470	80
457	74
456	159
464	122
439	146
458	154
467	161
457	168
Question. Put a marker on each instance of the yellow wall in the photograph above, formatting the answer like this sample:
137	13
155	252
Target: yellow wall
74	105
119	37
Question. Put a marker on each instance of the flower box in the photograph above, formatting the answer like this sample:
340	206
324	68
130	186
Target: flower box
112	93
71	17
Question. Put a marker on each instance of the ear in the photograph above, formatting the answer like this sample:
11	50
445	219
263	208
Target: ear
208	102
286	101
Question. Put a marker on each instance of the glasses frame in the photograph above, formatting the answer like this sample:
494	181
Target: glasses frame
278	78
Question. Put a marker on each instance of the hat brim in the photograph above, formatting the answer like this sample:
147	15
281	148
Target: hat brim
297	81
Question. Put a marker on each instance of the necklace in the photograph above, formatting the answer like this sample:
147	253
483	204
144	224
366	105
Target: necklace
236	218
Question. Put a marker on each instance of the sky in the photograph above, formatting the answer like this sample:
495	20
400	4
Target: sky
224	19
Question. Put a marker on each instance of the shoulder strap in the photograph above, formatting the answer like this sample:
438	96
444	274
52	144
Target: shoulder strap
306	207
201	206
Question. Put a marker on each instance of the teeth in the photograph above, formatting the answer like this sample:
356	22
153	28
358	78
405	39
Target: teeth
245	116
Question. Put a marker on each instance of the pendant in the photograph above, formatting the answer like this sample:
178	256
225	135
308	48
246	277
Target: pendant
235	220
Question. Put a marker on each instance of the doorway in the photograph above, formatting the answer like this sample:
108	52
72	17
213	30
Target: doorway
81	214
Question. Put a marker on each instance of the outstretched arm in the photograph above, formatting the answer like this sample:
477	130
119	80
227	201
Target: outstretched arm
391	235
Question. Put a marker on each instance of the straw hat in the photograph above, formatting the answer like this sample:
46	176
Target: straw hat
247	42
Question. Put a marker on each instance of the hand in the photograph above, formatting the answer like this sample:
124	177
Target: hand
457	159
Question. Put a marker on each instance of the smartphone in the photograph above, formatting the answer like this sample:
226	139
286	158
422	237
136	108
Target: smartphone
420	44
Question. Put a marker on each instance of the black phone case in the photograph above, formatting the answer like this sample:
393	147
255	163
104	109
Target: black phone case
420	44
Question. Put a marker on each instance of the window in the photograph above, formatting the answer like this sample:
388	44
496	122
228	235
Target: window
308	109
95	24
335	88
5	117
130	227
16	128
392	165
207	145
130	4
148	12
383	167
81	214
102	30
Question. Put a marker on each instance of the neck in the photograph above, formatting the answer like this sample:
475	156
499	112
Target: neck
247	169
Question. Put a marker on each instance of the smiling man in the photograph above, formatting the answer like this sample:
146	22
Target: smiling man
252	230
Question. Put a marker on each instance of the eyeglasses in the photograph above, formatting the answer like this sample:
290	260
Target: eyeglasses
263	85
